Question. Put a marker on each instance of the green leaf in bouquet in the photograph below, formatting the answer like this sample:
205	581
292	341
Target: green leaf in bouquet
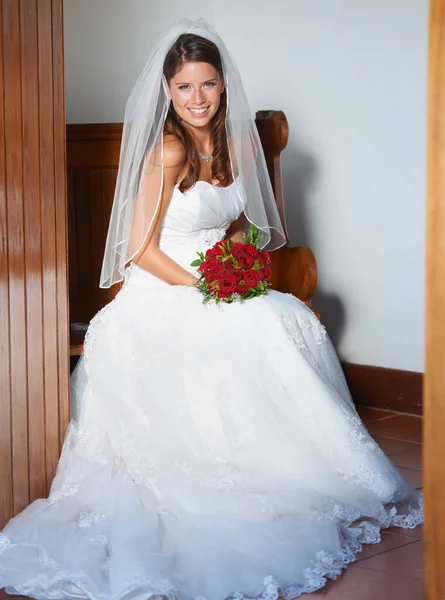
226	249
196	263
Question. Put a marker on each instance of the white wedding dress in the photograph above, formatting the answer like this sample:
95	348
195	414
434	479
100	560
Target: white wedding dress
214	451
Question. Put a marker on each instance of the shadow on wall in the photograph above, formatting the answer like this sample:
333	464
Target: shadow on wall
300	174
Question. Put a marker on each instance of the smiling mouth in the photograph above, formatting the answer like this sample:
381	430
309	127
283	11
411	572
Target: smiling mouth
199	112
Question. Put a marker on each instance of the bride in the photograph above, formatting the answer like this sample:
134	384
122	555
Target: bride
214	451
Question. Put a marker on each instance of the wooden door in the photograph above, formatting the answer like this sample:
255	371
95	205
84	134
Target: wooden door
434	383
34	371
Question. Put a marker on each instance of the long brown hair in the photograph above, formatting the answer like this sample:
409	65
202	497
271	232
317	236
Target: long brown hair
194	48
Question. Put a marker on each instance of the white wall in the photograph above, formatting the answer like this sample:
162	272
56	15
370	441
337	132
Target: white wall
350	76
107	43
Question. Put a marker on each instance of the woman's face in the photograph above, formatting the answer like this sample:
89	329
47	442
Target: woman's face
195	91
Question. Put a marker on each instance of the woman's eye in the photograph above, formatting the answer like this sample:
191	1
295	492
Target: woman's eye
209	84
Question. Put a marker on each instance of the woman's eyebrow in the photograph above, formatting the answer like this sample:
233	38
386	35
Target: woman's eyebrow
188	83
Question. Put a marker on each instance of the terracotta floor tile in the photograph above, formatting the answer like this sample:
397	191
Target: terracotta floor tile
390	539
369	414
400	427
391	447
412	476
364	584
412	534
410	459
406	560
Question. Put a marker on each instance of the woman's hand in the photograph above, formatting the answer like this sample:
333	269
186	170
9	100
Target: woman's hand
236	229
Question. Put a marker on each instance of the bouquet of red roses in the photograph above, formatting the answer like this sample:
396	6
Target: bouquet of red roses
234	270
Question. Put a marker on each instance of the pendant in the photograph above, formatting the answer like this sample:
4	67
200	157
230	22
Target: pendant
203	156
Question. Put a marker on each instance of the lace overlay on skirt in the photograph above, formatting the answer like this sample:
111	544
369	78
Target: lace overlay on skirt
214	451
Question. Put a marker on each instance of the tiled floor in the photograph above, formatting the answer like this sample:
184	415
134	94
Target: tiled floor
392	569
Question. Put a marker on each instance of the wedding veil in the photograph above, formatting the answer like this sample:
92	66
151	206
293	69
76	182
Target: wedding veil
134	209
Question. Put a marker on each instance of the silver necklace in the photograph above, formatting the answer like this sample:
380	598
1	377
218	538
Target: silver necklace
203	156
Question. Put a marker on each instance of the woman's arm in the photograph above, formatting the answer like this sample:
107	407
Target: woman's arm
162	266
150	257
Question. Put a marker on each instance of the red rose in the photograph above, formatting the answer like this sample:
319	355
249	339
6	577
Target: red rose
251	279
244	259
217	250
228	265
264	258
209	275
208	269
209	262
211	268
260	274
236	247
251	250
242	256
223	295
218	271
237	273
242	290
267	273
227	283
206	266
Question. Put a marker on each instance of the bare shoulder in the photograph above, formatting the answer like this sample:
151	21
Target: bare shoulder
174	152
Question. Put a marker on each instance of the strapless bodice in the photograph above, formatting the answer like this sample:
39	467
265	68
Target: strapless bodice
197	219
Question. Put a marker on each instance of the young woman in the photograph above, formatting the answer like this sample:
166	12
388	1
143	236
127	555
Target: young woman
214	451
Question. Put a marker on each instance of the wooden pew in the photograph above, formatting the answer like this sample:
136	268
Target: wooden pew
294	269
92	163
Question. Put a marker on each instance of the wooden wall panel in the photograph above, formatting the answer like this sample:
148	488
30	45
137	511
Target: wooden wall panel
5	362
34	399
92	163
90	194
60	191
434	380
16	254
390	389
33	254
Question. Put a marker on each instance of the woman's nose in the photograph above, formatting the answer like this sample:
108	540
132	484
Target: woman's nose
198	96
